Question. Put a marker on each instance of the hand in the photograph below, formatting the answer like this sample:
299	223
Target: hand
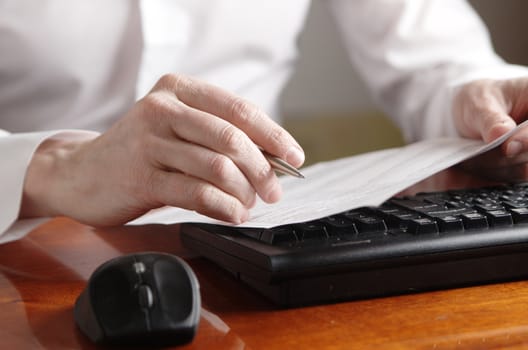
487	109
186	144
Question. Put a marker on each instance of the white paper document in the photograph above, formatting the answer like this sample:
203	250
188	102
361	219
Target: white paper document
335	186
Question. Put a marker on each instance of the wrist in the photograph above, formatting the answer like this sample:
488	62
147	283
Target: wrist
48	175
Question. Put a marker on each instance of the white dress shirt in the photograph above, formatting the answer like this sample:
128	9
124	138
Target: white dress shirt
79	65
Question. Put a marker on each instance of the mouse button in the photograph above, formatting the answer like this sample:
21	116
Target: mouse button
146	298
115	301
177	288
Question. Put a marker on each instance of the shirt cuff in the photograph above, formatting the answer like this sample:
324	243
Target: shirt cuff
16	151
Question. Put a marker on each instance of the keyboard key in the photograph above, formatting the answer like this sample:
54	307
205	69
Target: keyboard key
499	217
250	232
416	205
279	235
339	225
421	226
370	224
514	204
399	220
451	212
310	230
483	208
449	223
519	215
474	221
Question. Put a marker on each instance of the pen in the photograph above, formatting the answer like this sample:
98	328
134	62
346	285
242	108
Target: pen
281	166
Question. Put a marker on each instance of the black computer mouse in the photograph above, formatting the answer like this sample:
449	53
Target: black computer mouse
140	299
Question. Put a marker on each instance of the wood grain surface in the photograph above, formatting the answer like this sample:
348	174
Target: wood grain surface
42	274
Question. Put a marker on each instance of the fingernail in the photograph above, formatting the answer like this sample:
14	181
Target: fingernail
295	156
513	148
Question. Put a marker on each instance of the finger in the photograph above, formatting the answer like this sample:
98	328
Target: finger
217	134
516	145
515	92
204	164
491	123
183	191
239	112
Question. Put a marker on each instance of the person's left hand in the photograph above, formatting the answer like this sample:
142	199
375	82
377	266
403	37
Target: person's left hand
487	109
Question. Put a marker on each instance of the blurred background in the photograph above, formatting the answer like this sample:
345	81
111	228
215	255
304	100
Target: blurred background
327	107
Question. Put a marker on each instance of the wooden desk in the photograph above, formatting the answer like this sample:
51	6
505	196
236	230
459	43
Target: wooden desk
42	274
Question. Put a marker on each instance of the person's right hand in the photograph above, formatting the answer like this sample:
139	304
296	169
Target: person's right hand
186	144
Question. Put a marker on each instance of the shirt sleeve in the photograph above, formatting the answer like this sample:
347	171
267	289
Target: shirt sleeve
413	54
16	151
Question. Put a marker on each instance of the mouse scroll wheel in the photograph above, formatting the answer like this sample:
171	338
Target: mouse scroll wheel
146	298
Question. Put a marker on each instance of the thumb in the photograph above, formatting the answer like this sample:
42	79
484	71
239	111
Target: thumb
480	111
493	125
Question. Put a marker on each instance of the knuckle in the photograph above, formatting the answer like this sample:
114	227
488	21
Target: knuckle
243	110
238	106
170	80
263	173
159	104
277	134
231	209
207	200
152	100
232	138
176	83
203	196
220	167
153	104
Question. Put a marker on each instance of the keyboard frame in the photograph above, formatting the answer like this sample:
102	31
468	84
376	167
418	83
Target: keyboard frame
291	276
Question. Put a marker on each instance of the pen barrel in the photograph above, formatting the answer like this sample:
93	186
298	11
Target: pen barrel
282	166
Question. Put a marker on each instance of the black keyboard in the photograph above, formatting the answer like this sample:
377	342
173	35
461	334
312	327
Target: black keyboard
409	244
